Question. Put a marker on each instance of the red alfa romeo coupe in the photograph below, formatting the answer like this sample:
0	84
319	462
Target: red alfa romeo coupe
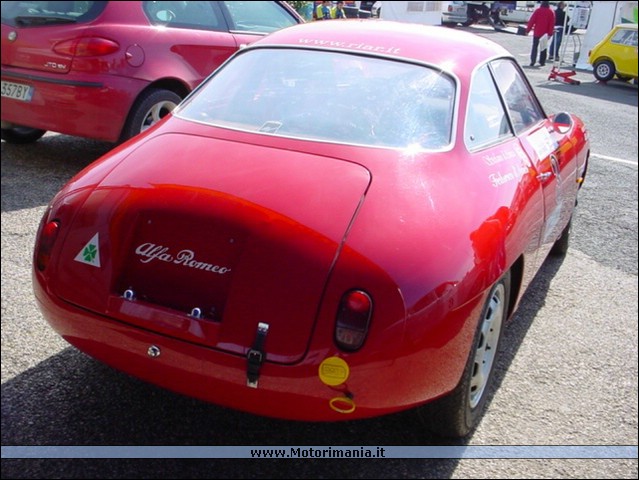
336	224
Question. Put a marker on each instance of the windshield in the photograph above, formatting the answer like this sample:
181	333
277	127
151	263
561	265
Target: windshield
328	96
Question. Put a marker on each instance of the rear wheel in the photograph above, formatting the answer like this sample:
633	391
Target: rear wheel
149	109
21	134
457	414
604	70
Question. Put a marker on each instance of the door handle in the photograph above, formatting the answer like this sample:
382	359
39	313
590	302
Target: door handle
542	177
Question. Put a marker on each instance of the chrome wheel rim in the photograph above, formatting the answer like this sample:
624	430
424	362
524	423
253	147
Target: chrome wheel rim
603	70
486	351
156	113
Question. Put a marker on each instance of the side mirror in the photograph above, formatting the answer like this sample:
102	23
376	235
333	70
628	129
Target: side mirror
562	122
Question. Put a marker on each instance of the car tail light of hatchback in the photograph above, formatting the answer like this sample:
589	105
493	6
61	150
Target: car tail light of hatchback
46	240
87	47
353	319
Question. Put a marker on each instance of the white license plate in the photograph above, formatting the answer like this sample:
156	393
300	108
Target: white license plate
17	91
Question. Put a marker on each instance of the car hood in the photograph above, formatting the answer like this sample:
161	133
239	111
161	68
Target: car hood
202	239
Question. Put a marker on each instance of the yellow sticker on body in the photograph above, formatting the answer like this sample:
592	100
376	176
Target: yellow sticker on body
333	371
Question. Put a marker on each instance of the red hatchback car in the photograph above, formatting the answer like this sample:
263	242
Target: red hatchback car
109	70
336	224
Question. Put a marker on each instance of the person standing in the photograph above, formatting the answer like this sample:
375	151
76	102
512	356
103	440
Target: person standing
560	20
495	18
542	22
338	11
323	11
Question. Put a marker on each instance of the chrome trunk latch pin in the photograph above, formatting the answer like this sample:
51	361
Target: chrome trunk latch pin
153	351
129	294
196	313
256	355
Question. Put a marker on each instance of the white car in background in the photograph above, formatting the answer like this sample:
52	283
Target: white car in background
454	13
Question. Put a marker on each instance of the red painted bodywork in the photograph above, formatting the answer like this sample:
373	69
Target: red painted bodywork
298	223
92	96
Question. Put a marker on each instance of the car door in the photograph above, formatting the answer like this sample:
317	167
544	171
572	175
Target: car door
624	43
194	33
551	152
203	34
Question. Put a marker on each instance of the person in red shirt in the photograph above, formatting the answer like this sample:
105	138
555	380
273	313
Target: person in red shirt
542	22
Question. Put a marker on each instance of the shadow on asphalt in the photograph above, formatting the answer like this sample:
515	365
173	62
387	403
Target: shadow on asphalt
70	399
517	328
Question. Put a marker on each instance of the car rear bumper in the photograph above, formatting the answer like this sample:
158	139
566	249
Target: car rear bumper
291	392
374	387
93	106
453	18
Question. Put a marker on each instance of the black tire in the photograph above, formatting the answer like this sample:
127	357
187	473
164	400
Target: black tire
22	134
560	247
458	413
604	70
150	107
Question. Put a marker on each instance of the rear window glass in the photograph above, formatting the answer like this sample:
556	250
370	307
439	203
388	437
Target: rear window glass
329	96
33	14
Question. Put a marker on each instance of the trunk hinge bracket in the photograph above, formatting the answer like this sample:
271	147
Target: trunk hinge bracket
256	355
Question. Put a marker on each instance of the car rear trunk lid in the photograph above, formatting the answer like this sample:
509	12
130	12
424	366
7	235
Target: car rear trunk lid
212	240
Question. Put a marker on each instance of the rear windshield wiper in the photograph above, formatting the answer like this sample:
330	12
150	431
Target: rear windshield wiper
25	20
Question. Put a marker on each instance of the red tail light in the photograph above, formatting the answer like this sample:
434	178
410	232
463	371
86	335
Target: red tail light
87	47
47	239
353	319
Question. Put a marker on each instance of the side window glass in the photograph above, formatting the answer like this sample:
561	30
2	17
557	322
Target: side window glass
486	121
625	37
258	17
523	108
196	15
